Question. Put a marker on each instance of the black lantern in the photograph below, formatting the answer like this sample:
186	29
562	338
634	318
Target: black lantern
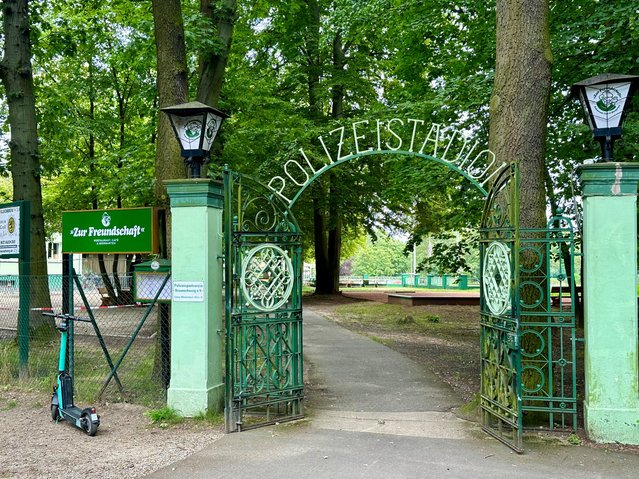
195	125
605	99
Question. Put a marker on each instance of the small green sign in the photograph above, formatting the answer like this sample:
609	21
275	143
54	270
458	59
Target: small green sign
110	231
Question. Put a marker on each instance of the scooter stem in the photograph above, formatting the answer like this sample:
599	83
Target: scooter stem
63	349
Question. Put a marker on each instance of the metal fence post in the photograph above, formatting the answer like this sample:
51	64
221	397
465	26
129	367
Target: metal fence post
24	282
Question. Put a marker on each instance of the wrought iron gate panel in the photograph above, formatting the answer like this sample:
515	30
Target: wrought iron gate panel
528	327
264	367
547	323
500	395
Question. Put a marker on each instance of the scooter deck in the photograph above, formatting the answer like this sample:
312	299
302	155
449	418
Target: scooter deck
72	413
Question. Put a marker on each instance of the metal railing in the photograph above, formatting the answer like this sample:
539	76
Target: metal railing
408	280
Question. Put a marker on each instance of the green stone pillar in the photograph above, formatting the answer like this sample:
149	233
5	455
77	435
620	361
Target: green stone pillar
197	312
611	405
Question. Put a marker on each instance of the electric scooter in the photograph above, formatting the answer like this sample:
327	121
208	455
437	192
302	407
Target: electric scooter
62	406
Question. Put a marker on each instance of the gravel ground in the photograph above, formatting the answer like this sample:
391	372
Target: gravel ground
126	445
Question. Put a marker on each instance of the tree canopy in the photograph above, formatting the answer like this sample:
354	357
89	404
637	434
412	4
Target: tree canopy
294	70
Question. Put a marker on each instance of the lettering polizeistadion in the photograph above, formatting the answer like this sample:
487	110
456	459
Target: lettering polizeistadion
411	137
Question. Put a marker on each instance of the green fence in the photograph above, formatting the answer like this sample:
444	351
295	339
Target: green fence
130	338
407	280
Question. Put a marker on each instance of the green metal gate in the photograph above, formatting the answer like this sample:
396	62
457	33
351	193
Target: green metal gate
499	308
528	328
263	302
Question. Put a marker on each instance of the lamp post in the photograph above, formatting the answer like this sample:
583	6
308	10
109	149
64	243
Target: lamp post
195	126
605	99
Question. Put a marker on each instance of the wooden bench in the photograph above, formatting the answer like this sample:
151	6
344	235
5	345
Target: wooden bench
105	298
565	293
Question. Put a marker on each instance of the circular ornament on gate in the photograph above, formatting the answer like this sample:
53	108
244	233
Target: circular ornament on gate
267	277
496	277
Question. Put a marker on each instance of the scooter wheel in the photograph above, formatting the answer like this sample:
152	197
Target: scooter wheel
87	425
54	412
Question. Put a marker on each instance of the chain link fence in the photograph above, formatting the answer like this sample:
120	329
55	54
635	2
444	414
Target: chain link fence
121	355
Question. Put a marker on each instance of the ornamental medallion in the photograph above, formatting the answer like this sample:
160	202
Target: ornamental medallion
267	277
496	277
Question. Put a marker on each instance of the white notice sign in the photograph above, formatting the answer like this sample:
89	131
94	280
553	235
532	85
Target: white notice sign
10	231
188	291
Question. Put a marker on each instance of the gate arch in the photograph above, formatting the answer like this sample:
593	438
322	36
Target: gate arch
457	169
447	146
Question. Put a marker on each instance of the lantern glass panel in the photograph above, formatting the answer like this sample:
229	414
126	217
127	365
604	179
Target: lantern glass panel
607	103
189	130
213	123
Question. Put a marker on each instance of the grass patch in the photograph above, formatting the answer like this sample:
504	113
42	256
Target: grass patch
164	416
399	318
210	417
471	410
9	405
574	440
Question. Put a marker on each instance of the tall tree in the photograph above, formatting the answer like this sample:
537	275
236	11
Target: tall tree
172	87
519	102
17	79
212	62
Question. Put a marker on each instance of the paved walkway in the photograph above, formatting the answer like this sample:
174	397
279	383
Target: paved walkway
373	413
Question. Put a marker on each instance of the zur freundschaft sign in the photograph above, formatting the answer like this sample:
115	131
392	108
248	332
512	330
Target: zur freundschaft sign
110	231
10	231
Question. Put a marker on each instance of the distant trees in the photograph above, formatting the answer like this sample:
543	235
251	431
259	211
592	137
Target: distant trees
384	257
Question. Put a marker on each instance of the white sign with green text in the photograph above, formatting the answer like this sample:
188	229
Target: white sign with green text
10	231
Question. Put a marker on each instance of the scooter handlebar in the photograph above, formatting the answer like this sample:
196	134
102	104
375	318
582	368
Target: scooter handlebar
66	316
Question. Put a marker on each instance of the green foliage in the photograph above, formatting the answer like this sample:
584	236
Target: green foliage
452	253
94	65
164	416
94	68
382	257
574	440
6	190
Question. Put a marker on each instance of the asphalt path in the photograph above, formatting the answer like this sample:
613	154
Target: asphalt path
374	413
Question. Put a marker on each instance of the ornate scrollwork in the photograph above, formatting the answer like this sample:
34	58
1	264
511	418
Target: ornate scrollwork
258	214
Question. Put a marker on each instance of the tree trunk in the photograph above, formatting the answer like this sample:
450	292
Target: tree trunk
518	116
172	89
519	103
17	78
313	61
212	67
323	281
334	237
335	218
172	85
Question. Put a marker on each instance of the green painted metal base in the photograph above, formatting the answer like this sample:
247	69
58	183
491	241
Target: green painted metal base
612	425
191	402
